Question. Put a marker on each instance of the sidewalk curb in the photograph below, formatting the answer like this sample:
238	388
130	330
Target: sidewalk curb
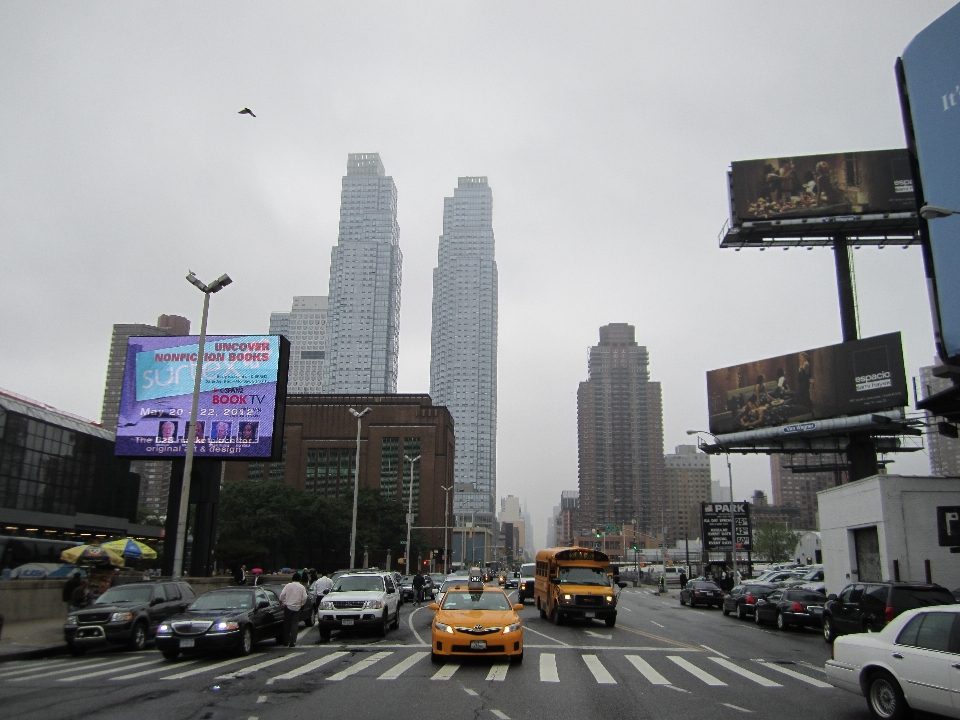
35	653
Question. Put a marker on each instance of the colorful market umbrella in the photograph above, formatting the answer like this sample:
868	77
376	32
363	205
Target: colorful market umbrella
91	555
132	549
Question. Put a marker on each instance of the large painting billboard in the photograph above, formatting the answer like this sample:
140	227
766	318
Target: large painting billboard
834	185
242	397
851	378
930	92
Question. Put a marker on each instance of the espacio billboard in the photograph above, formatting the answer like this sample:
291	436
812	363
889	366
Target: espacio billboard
851	378
242	397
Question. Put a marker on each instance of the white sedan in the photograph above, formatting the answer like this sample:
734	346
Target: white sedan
914	662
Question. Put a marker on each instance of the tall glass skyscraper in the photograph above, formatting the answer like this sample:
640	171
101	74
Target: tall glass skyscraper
363	315
305	326
463	360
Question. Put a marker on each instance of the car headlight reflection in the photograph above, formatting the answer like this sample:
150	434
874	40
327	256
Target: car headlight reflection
225	626
373	605
511	628
121	617
326	605
164	629
72	620
443	627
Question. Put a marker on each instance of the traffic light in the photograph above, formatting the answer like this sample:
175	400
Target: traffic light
597	532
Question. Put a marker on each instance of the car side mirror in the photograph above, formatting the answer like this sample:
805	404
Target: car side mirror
157	601
263	604
831	596
518	607
621	585
434	606
391	591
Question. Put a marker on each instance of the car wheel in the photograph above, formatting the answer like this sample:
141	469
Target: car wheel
138	637
382	628
436	659
610	621
723	609
829	633
325	634
312	619
170	653
692	603
516	659
77	650
543	613
246	641
741	612
396	619
782	623
682	601
556	616
885	698
756	617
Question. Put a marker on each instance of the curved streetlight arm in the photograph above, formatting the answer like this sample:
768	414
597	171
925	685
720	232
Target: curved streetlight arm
932	212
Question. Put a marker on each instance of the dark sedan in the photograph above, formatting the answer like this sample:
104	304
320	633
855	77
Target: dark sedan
701	592
790	607
742	600
226	619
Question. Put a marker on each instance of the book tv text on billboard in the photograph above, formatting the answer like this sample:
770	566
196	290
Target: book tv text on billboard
851	378
242	396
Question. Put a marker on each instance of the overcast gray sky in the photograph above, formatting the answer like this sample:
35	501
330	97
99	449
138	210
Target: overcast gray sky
605	129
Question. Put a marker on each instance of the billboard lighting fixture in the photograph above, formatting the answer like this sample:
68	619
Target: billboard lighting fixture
932	212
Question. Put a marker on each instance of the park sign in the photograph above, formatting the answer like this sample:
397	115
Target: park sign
242	397
715	524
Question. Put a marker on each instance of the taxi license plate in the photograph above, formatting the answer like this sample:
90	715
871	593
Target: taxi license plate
187	643
346	622
589	614
478	644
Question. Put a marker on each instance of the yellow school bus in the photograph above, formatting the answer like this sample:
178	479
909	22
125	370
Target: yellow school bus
575	582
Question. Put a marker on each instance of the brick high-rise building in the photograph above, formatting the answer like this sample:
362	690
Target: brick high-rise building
944	451
620	435
687	483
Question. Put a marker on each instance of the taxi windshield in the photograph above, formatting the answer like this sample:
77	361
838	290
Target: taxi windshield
583	576
457	600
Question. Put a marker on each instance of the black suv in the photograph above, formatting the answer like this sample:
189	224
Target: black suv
126	615
865	606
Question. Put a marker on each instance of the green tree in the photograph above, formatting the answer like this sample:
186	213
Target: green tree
774	542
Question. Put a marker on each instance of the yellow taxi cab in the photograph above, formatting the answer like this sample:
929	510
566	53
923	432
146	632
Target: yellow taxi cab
476	620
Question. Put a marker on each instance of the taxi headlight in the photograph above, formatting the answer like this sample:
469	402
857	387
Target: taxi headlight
164	629
511	628
373	604
326	605
72	620
443	627
225	626
121	616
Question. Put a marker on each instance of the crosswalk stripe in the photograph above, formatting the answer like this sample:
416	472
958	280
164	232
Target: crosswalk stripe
107	671
401	667
162	668
67	668
598	670
647	670
796	676
259	666
498	672
548	668
759	679
204	668
303	669
695	671
33	667
360	666
446	672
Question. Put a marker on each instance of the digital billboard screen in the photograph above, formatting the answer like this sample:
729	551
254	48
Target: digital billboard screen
834	185
851	378
929	73
242	397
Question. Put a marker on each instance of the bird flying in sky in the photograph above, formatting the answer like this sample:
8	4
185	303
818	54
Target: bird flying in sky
246	111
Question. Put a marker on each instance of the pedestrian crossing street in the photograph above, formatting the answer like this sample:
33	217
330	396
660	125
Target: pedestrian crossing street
688	672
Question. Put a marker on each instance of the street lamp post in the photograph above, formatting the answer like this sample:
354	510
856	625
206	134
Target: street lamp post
216	286
446	526
932	212
356	490
733	517
406	561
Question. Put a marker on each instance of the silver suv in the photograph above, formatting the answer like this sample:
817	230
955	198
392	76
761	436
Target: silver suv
360	600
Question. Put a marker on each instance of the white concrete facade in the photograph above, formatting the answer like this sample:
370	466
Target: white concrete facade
903	511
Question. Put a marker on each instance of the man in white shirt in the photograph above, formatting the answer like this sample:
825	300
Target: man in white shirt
292	598
322	586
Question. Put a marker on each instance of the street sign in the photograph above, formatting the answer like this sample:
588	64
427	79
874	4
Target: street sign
715	521
403	542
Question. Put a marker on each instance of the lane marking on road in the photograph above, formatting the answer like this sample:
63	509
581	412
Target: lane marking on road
696	672
413	629
794	674
658	624
471	693
262	699
759	679
707	647
498	672
537	632
662	639
401	667
548	668
737	707
599	671
67	668
303	632
95	673
360	666
304	669
253	668
204	668
446	672
626	608
674	687
814	667
34	667
596	634
647	670
500	715
162	668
